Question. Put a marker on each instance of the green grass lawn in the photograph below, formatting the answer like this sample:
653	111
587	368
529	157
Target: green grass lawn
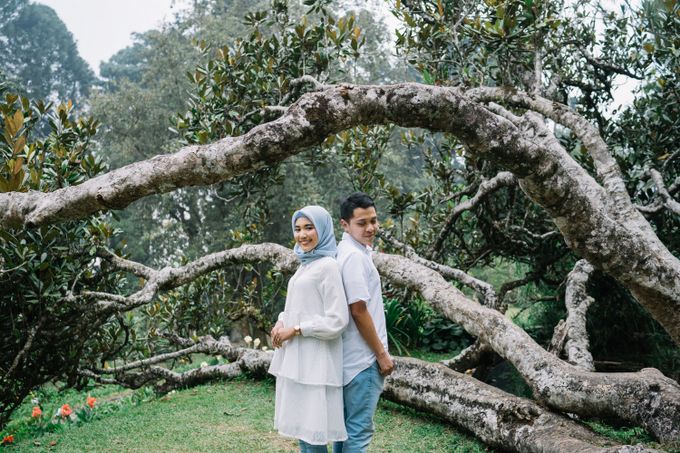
233	416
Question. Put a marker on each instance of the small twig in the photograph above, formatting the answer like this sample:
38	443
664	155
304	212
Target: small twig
607	67
668	201
4	271
275	109
482	287
27	346
486	187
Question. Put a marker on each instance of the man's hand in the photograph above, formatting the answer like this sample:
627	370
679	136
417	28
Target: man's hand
364	322
385	363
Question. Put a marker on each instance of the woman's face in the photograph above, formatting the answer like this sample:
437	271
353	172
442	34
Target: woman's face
305	234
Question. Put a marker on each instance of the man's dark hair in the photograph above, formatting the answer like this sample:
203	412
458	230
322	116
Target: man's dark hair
353	201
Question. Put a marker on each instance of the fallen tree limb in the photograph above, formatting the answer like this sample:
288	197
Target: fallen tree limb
646	398
498	418
471	356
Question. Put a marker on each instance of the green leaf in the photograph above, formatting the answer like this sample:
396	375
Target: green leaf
427	77
409	20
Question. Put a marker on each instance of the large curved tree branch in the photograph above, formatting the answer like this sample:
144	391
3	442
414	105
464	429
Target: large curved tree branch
607	168
646	398
173	277
594	222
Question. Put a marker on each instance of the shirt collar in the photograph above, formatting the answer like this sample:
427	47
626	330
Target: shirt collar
364	248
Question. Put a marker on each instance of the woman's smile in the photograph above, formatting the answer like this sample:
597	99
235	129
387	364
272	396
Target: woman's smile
305	234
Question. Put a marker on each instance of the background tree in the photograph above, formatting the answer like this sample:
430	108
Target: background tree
45	331
38	52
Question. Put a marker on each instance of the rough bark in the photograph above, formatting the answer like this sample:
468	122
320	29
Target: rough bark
607	168
646	398
483	288
173	277
496	417
470	357
597	222
577	302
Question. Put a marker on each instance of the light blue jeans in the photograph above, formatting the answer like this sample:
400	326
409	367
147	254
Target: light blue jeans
361	397
309	448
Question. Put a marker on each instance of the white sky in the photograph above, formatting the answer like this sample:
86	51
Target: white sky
103	27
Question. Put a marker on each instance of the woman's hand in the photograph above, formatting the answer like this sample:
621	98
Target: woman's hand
277	326
281	335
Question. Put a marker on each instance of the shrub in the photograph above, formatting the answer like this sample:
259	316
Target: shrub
43	332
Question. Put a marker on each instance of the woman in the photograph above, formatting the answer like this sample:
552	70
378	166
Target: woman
308	360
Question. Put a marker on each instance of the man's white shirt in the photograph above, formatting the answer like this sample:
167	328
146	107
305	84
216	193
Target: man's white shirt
362	282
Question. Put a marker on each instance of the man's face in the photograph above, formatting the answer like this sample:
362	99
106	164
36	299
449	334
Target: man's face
363	225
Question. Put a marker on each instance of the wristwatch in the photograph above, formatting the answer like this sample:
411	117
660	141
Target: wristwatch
297	330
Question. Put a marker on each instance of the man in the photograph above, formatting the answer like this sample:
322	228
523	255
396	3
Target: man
366	360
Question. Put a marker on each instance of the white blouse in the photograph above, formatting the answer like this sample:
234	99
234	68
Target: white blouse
316	302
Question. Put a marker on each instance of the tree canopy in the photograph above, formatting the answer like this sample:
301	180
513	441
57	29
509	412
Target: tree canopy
39	53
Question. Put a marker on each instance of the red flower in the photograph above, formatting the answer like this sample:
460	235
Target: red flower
90	401
36	412
66	410
8	439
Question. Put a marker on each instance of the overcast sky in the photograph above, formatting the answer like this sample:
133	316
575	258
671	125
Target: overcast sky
103	27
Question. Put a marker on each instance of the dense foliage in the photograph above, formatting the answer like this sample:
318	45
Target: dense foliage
44	333
575	53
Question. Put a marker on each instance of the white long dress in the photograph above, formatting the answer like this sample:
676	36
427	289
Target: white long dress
308	368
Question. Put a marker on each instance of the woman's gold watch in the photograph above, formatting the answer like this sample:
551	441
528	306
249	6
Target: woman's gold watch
297	330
